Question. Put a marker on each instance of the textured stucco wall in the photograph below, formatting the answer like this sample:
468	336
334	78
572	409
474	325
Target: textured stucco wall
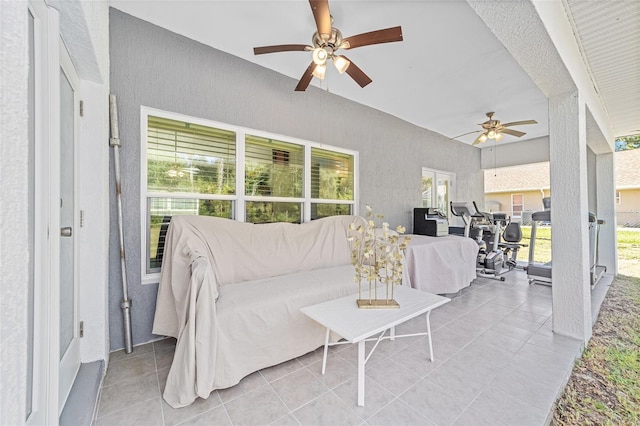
570	201
153	67
77	35
14	255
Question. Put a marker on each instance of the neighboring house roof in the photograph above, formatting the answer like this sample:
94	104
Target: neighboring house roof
526	177
531	177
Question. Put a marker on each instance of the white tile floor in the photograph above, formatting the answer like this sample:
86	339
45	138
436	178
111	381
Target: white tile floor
497	363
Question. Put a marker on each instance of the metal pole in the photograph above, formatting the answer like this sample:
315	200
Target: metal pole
125	305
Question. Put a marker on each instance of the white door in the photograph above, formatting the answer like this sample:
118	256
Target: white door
69	353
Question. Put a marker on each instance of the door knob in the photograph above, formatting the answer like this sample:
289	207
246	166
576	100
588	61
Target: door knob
66	231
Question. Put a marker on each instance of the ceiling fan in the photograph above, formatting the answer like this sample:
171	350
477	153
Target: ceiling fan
326	41
493	129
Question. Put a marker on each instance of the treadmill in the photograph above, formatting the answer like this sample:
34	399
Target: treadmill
540	273
597	271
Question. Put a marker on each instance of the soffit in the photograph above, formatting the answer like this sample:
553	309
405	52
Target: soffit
608	34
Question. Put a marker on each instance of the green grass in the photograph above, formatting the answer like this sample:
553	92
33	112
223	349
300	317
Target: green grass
629	251
604	388
543	244
628	248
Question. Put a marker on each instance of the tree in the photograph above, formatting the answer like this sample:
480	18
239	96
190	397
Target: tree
625	143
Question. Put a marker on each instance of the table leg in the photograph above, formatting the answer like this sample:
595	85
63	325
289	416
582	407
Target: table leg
429	334
326	348
361	373
392	333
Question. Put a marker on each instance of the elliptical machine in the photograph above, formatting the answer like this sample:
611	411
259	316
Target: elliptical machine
485	229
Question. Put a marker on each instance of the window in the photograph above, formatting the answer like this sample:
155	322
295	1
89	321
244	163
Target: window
517	205
618	198
437	190
427	189
273	169
198	167
332	183
190	170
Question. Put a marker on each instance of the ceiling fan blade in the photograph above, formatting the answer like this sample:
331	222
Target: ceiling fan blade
306	78
478	140
281	48
464	134
357	74
519	123
374	37
322	16
512	132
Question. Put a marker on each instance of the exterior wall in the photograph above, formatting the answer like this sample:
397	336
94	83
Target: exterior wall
153	67
628	211
629	200
532	200
14	237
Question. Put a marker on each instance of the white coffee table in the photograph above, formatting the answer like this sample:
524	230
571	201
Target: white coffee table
355	325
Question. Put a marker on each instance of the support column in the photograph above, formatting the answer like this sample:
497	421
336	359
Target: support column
607	239
569	216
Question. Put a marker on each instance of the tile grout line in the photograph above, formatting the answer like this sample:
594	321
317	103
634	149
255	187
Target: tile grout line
155	361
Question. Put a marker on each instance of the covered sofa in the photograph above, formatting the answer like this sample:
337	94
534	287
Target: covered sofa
231	292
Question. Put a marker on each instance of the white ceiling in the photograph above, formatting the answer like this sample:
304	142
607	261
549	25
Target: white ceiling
446	74
609	38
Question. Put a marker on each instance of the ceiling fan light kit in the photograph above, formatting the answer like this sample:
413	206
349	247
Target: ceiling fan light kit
493	129
320	56
320	71
341	63
326	41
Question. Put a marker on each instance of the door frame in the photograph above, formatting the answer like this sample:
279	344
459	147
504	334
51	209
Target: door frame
46	221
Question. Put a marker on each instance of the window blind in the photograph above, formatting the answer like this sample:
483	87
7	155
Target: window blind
331	175
273	168
188	157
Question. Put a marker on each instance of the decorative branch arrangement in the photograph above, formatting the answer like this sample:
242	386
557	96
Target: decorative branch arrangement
377	253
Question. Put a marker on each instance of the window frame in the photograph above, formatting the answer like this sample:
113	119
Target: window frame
436	174
521	204
239	199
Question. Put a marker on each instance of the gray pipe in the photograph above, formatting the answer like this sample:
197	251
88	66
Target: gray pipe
125	305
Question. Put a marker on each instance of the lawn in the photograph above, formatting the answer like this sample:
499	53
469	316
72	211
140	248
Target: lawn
628	248
629	252
543	244
604	388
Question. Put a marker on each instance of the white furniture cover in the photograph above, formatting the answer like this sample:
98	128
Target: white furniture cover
261	275
441	265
